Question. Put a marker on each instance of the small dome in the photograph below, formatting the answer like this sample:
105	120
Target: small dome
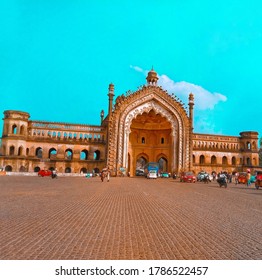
152	77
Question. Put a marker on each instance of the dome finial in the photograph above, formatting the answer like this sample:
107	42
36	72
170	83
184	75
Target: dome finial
152	77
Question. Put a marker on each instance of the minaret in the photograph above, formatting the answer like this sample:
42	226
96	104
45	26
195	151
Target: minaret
191	109
110	98
152	78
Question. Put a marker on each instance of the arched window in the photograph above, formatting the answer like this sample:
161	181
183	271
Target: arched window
194	159
202	160
8	168
69	154
12	151
84	155
248	145
52	153
68	170
233	161
213	160
22	130
96	170
143	141
83	170
22	169
36	169
97	155
14	129
248	161
39	152
162	140
224	160
20	151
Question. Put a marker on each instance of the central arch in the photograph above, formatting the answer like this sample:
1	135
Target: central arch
165	119
150	135
124	122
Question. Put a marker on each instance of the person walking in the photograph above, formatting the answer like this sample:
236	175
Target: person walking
108	174
248	178
236	178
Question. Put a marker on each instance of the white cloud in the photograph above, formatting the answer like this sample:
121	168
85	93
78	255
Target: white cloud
204	99
138	69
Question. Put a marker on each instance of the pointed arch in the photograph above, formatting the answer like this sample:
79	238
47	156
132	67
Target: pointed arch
20	151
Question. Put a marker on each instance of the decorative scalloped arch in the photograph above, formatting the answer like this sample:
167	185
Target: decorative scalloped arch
136	104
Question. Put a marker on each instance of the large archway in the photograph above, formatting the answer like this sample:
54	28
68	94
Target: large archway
126	127
150	135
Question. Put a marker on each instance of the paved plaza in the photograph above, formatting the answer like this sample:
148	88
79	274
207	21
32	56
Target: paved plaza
127	218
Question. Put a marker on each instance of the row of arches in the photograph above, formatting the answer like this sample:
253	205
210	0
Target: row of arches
224	146
15	129
67	169
142	161
225	160
68	135
20	129
52	153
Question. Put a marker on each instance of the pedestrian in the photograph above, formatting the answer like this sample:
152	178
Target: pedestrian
248	178
108	174
236	178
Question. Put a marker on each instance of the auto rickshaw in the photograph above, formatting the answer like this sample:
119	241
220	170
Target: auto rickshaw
242	178
258	182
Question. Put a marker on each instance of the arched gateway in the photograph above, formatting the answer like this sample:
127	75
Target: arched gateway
152	123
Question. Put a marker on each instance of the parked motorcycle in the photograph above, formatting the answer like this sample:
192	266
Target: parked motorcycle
222	181
205	179
54	175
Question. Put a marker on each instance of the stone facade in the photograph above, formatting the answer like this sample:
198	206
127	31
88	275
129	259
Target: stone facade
149	125
33	145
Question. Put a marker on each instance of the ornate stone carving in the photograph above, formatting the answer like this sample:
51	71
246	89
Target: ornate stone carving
163	106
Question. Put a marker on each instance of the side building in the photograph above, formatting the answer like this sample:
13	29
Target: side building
28	146
149	125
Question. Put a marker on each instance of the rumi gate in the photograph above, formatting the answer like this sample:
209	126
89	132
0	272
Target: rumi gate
149	125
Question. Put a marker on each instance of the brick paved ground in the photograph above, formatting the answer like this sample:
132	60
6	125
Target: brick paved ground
127	218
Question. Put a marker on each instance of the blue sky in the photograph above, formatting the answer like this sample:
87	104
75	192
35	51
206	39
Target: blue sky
57	58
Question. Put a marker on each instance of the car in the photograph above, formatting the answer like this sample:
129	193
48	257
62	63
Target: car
188	177
152	174
44	173
258	182
164	175
140	172
242	178
89	174
201	175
